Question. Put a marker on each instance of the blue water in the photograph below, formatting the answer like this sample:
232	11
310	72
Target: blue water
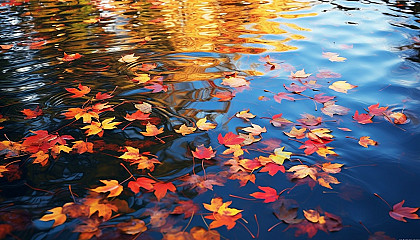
194	45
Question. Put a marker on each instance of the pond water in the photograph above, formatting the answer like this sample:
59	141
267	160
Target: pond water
218	60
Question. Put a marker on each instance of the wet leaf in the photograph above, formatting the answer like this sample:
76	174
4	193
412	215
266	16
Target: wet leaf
224	96
144	107
376	110
245	115
300	74
255	129
341	86
32	113
184	130
279	156
55	214
111	186
310	120
188	208
365	141
128	58
311	215
229	139
287	215
269	194
137	115
399	212
152	130
277	120
143	182
82	91
333	57
398	117
235	149
202	152
273	169
301	171
331	167
324	179
161	188
330	108
236	81
132	227
282	95
323	99
70	57
293	87
363	118
202	124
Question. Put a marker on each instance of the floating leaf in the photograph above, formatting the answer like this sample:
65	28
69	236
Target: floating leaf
32	113
399	212
300	74
57	215
184	130
83	90
363	118
202	124
111	186
269	194
365	141
341	86
128	58
152	130
202	152
245	115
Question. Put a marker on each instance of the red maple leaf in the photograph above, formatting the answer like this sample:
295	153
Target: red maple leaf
277	120
230	139
138	115
224	96
143	182
399	212
161	188
295	88
102	96
282	95
269	194
32	113
188	208
311	146
322	99
156	87
362	118
202	152
376	110
273	168
70	57
83	90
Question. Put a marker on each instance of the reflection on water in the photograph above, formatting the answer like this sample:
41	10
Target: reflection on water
185	49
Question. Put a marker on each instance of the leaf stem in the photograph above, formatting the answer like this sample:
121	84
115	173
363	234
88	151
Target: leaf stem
383	200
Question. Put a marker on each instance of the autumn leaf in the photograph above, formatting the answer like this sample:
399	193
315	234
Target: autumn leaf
111	186
310	120
75	210
330	108
143	182
279	156
399	212
32	113
248	139
40	157
184	130
235	149
141	78
82	147
269	194
202	184
144	107
255	129
138	115
295	133
224	96
301	171
365	141
77	113
331	167
161	188
202	124
70	57
293	87
132	227
277	120
273	169
188	208
235	81
108	124
398	117
152	130
83	90
56	214
245	115
324	179
324	151
311	215
333	57
104	208
243	178
363	118
287	215
229	139
222	220
300	74
376	110
128	58
341	86
282	95
202	152
323	99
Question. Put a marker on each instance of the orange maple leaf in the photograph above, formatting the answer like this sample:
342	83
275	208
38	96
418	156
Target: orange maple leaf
365	141
32	113
269	194
57	215
161	188
111	186
202	152
152	130
83	90
70	57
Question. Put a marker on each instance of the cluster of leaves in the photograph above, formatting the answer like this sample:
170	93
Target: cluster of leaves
107	200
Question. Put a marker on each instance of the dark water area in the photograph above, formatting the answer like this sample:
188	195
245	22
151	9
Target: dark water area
187	53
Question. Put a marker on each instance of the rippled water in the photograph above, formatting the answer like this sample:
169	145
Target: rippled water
190	46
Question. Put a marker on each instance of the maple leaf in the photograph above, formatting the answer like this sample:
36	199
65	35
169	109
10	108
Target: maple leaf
131	154
245	115
398	117
93	129
310	120
279	156
255	129
363	118
331	167
323	99
89	229
222	220
320	135
57	149
295	88
83	90
365	141
203	184
70	57
102	96
78	113
333	57
341	86
144	107
128	58
287	215
203	234
273	168
311	215
6	46
301	171
152	130
235	149
56	214
229	139
311	146
3	168
141	78
236	81
202	152
108	124
324	179
138	115
202	124
269	194
143	182
282	95
296	133
248	139
324	151
305	227
330	108
156	87
188	208
399	212
104	208
32	113
327	74
132	227
299	74
277	120
184	130
75	210
161	188
376	110
83	147
243	178
10	148
224	96
41	157
111	186
250	165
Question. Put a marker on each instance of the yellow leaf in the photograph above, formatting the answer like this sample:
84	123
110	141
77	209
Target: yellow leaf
108	124
245	115
56	215
152	130
184	130
111	186
300	74
128	58
279	156
302	171
41	158
202	124
93	129
235	149
341	86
